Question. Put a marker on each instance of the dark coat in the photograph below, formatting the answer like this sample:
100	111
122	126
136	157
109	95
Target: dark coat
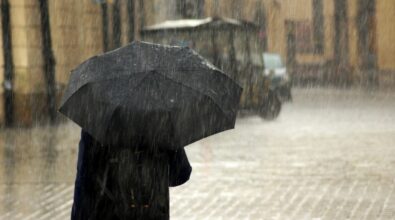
133	186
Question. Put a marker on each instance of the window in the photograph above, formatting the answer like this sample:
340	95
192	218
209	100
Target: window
190	8
318	23
303	37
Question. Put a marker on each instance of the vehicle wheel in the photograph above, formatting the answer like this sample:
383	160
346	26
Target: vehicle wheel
271	109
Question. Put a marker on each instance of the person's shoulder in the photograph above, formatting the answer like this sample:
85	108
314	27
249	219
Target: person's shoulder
87	139
85	135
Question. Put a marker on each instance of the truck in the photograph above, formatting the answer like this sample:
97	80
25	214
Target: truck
235	47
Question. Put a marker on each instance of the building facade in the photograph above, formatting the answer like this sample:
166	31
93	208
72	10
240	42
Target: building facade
75	33
332	41
328	40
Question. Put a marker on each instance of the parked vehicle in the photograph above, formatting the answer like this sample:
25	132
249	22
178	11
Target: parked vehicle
234	46
279	87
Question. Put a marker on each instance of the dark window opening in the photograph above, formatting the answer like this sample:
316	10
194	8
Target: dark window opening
303	37
260	17
341	32
366	23
190	8
116	19
318	26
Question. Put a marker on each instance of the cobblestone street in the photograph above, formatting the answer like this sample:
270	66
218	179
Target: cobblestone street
330	155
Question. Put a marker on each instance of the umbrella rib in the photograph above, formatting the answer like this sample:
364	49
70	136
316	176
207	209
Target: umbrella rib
88	83
91	82
182	84
116	77
141	81
137	85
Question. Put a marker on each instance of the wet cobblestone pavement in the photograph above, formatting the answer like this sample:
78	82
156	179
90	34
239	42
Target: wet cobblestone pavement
330	155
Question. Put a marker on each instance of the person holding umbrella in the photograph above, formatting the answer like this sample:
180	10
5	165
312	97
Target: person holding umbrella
138	107
94	185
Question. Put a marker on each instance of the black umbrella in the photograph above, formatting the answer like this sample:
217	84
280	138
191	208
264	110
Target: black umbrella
155	94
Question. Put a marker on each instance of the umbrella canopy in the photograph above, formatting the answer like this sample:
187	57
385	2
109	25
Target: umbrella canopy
160	95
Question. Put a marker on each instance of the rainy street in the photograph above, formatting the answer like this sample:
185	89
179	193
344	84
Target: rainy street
307	85
330	155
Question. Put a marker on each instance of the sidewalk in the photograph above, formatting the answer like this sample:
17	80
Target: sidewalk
329	156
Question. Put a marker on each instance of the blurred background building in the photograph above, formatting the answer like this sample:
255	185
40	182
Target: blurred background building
323	41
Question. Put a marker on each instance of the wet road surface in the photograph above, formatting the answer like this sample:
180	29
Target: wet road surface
330	155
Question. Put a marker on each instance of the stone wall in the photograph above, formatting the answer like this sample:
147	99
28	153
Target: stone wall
76	35
386	34
76	28
26	49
